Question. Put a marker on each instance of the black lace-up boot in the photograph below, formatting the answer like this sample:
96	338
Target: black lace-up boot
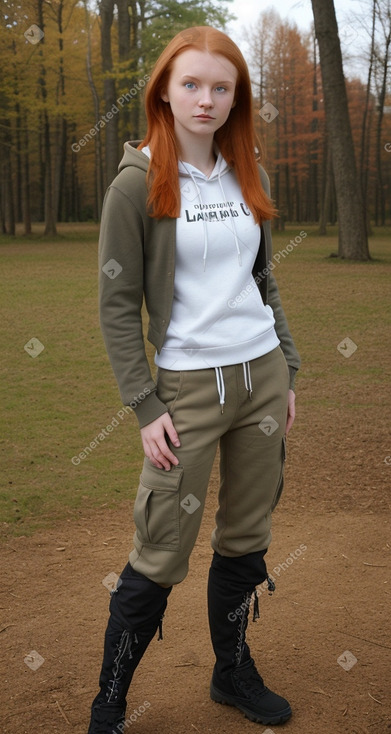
137	607
235	679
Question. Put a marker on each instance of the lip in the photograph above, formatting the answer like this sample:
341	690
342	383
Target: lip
204	117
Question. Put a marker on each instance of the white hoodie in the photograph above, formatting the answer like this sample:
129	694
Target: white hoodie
218	317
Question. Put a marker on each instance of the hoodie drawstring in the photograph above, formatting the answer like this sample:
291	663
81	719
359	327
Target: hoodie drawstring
197	188
232	229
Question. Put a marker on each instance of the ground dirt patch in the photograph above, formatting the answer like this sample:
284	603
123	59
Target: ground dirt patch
332	598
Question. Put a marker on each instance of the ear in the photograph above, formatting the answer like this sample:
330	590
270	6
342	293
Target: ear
233	104
164	97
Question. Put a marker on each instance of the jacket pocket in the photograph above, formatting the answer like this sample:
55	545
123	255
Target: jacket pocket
280	486
156	508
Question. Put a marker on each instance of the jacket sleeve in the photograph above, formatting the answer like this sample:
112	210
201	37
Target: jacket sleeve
282	329
273	299
121	270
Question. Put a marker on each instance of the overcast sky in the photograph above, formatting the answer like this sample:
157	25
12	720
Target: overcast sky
354	36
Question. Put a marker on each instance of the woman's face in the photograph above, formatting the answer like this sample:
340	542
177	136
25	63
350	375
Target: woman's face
201	92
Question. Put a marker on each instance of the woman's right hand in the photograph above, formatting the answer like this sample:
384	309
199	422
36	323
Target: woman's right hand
156	449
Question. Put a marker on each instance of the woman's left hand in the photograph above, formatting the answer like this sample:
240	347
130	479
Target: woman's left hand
291	411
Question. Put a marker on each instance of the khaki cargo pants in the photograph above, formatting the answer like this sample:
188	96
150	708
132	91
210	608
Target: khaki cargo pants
169	505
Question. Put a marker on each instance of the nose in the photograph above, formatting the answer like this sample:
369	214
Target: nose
205	99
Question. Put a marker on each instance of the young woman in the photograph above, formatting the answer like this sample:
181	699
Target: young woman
186	225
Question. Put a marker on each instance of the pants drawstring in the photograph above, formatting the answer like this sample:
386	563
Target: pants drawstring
220	387
247	379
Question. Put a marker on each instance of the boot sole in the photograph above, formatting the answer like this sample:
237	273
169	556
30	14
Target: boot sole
226	699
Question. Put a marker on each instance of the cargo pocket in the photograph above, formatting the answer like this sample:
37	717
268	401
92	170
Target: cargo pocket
280	485
156	508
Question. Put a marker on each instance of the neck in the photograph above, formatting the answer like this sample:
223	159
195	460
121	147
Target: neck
198	152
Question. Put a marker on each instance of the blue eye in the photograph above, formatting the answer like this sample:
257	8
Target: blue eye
189	85
221	89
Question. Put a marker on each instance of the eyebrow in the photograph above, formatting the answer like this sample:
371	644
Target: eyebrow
195	78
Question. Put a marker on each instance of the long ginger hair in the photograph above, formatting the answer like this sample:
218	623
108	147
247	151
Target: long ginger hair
236	139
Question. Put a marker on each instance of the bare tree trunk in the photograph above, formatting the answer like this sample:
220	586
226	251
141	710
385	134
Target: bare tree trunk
18	127
74	193
61	151
50	215
380	107
277	219
136	17
293	166
352	237
109	91
9	203
328	180
312	209
26	204
97	140
365	128
2	201
288	189
41	204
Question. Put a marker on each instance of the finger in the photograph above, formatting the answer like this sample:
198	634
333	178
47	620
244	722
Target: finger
166	456
156	463
171	432
161	463
289	421
156	458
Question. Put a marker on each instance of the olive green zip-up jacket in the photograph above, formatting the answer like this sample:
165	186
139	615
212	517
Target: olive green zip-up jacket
136	261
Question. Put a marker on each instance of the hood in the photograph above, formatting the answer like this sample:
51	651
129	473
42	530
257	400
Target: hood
140	159
133	157
187	170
